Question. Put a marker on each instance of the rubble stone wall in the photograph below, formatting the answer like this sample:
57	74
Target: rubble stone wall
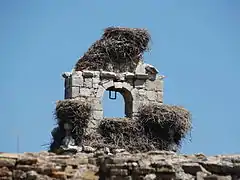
154	165
135	88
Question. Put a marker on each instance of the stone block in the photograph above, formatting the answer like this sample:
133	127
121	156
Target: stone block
150	85
108	84
151	77
129	75
136	105
107	75
141	76
67	82
119	172
139	84
95	82
85	92
7	162
120	76
96	104
76	80
127	86
97	115
135	94
118	85
142	95
159	97
88	83
18	174
159	84
140	69
74	92
151	95
67	93
66	74
156	85
192	168
100	92
96	74
87	74
5	173
150	177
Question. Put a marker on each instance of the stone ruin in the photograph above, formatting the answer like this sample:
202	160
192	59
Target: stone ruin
115	64
142	86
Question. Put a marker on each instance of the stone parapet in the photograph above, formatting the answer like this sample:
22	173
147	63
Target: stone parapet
118	164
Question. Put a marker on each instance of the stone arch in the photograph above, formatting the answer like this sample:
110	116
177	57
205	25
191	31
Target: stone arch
128	99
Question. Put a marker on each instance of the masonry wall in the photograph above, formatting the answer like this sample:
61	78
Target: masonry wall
135	88
154	165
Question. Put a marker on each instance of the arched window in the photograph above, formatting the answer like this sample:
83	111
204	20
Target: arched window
117	103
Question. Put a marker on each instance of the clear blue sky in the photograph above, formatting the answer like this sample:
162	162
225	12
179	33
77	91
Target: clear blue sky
196	44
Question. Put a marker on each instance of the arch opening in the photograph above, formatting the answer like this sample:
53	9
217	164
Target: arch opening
118	104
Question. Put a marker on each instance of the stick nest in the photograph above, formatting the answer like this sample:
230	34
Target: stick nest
76	113
167	122
156	127
118	50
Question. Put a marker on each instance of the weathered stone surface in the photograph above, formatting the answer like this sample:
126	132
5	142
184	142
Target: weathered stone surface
66	74
139	83
25	160
118	85
88	82
100	92
97	114
108	84
156	85
76	80
127	86
75	92
192	168
119	172
96	104
85	92
140	69
96	82
129	75
32	175
106	74
18	174
5	172
67	83
87	74
151	165
141	76
120	77
159	84
151	95
150	177
159	97
7	162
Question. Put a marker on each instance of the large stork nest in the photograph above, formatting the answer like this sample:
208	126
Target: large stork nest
165	122
75	113
118	50
157	127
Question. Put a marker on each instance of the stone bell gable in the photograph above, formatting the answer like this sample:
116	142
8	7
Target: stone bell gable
143	86
115	64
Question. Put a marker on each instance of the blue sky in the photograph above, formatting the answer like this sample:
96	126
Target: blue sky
196	44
